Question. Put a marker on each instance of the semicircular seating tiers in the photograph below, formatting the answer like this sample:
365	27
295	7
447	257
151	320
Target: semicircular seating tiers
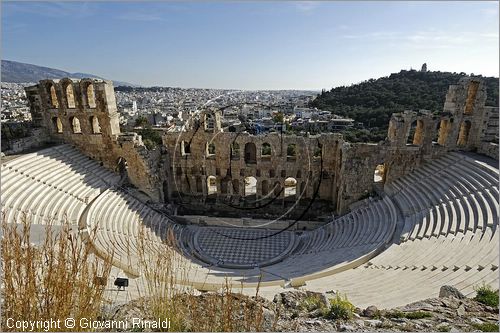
450	237
119	224
51	185
437	225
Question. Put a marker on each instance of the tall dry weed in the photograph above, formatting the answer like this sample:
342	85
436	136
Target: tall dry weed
54	279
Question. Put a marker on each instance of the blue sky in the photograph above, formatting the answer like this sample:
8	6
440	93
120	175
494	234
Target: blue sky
252	45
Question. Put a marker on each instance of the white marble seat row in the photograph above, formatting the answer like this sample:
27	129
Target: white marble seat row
370	224
449	195
51	185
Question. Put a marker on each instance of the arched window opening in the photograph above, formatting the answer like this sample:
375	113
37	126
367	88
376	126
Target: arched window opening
265	151
418	137
272	173
411	133
209	122
291	151
53	102
250	153
250	186
463	135
58	127
70	96
96	128
444	130
379	174
210	149
235	150
290	187
91	96
223	187
211	185
471	97
435	134
75	125
185	148
265	188
199	187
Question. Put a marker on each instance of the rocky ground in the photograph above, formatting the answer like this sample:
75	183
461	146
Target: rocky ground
308	311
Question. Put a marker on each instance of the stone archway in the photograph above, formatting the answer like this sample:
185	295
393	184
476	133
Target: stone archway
250	153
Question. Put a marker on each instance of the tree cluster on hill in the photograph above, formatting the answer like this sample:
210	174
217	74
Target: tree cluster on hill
372	102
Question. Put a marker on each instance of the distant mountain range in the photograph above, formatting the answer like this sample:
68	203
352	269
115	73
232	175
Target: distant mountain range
18	72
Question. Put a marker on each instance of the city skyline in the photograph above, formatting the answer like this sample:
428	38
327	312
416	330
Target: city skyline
278	45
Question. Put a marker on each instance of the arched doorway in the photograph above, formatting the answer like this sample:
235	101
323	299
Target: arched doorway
75	125
290	187
96	128
70	96
250	153
199	187
418	136
463	135
411	133
444	130
211	185
90	96
379	174
58	127
53	101
250	186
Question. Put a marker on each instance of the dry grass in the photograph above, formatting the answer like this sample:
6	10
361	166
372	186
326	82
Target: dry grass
61	277
225	310
55	279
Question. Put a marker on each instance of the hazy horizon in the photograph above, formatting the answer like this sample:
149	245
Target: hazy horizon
249	45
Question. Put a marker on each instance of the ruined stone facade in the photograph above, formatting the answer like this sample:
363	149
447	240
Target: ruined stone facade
84	114
205	166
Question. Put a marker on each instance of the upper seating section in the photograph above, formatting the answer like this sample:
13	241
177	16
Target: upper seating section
51	185
450	195
450	237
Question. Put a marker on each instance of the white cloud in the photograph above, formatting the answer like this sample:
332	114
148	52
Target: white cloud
306	7
430	38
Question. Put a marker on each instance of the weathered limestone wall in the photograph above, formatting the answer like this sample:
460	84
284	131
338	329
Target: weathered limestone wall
231	157
489	149
84	114
36	139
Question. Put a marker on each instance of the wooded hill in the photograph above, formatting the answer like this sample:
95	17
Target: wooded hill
373	101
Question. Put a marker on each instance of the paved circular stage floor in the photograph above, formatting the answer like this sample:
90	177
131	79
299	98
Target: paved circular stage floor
242	248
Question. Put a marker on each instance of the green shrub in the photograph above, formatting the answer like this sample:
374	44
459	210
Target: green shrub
486	327
486	295
340	308
150	137
312	302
